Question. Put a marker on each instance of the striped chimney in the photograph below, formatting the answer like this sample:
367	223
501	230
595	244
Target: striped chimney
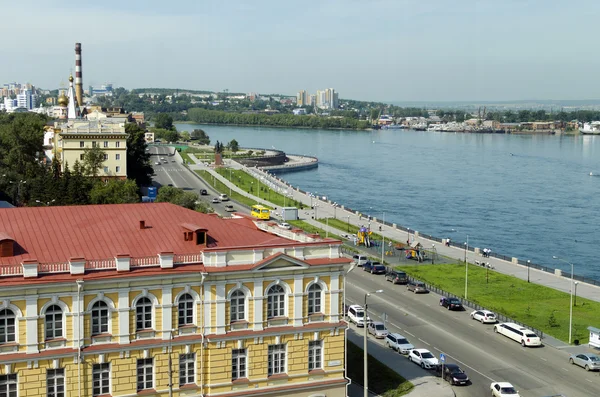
78	75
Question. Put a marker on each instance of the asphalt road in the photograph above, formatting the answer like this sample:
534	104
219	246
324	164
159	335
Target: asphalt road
484	355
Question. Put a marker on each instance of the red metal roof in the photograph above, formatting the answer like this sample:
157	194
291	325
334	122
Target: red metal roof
56	234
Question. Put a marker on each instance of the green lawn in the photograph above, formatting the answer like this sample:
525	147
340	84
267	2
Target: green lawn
383	380
307	227
537	306
221	188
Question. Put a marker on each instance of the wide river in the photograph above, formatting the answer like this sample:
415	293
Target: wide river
529	196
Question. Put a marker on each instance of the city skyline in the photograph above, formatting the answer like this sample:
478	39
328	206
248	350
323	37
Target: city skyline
381	51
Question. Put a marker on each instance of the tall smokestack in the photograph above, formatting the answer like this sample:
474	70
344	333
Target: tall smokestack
78	75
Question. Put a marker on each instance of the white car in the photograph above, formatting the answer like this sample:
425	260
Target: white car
285	225
377	329
157	163
223	197
398	343
424	358
356	315
215	200
229	208
484	316
503	389
518	333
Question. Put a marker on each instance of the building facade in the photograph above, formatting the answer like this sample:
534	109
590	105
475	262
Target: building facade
154	299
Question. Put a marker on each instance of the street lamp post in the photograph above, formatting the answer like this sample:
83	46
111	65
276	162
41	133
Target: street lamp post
528	265
575	297
316	206
382	240
366	365
348	223
344	318
466	267
571	304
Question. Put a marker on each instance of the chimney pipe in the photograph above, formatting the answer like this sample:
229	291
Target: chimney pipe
78	75
142	225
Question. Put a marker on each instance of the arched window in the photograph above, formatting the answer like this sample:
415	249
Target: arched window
238	305
143	314
54	322
186	310
7	326
314	299
276	302
100	318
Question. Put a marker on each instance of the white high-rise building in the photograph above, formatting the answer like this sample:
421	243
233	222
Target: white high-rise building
26	99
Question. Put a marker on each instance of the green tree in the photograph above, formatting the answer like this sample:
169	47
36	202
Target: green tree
79	186
174	195
21	140
92	161
166	135
139	167
114	192
201	137
233	145
185	136
164	121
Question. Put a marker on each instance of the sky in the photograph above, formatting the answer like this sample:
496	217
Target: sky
379	50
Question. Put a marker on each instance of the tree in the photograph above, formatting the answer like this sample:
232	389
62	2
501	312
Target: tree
115	192
92	161
166	135
174	195
79	185
201	137
163	120
233	145
185	136
139	167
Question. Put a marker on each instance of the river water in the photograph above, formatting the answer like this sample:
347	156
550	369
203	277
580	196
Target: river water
529	196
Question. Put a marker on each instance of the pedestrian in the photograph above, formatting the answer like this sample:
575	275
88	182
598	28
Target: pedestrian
379	227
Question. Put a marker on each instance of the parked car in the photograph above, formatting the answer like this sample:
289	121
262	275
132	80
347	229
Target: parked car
518	333
215	200
590	362
503	389
398	343
374	267
417	287
203	192
485	316
423	357
356	315
284	225
451	303
396	276
360	259
229	208
377	329
454	374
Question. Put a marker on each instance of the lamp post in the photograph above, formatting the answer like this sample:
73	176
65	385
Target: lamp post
334	207
466	267
528	265
575	297
230	182
408	236
432	253
344	318
316	206
348	223
46	203
366	368
382	240
571	304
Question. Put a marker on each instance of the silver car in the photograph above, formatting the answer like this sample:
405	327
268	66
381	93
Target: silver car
377	329
590	362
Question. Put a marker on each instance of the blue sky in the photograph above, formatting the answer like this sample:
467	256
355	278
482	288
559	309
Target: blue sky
384	50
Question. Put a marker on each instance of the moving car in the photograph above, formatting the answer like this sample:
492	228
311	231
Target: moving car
215	200
356	315
157	163
360	259
417	287
423	357
451	303
503	389
203	192
518	333
377	329
223	197
284	225
485	316
229	208
374	267
454	374
396	276
398	343
590	362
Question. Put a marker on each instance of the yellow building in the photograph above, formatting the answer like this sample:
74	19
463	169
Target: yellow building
158	300
73	137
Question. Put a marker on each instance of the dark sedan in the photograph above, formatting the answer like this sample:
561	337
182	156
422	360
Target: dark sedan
454	374
374	267
451	303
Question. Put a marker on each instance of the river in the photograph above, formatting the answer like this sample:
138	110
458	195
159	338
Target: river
529	196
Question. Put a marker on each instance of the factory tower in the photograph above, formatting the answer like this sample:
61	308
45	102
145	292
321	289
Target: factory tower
78	75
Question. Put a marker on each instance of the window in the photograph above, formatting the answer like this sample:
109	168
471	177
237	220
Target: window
117	144
105	143
99	318
315	354
105	156
276	302
8	385
238	306
276	359
106	170
118	156
187	363
314	299
7	326
54	323
238	364
186	310
81	157
55	382
144	374
81	144
100	379
93	144
118	169
143	314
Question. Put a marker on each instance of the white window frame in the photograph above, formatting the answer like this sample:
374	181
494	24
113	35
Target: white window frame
145	310
276	302
313	298
81	144
105	143
146	366
97	313
55	379
105	170
103	371
277	359
315	354
117	144
239	364
105	157
118	156
192	303
187	369
235	301
6	334
9	384
61	320
118	169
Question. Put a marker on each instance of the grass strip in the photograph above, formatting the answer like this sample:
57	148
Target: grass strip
383	380
221	188
308	228
536	305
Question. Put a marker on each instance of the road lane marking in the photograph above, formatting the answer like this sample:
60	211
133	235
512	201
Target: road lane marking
409	334
589	381
424	342
564	369
463	364
543	359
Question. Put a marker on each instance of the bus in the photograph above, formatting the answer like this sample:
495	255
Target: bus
260	212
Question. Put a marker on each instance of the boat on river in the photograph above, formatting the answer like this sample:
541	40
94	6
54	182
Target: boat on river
592	128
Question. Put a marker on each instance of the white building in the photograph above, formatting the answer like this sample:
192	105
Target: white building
26	99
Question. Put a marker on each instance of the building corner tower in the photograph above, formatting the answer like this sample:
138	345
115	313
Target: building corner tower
78	75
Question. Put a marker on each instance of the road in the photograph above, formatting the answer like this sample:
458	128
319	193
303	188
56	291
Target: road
484	355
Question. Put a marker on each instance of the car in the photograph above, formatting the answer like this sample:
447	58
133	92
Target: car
518	333
203	192
223	197
356	315
284	225
451	303
396	276
360	259
590	362
229	208
215	200
374	267
485	316
170	184
377	329
172	161
165	161
157	163
454	374
398	343
424	358
418	287
503	389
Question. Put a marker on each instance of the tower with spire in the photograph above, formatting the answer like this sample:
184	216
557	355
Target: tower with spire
72	106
